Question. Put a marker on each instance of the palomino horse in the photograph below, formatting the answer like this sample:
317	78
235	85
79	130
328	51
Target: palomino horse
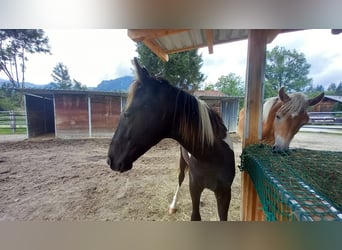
156	110
283	116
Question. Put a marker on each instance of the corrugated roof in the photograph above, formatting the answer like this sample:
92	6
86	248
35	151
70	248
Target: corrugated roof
37	91
334	97
167	41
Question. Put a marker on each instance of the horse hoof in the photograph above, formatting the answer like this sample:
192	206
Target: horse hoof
172	210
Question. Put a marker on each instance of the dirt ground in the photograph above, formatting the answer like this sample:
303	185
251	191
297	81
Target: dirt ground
69	180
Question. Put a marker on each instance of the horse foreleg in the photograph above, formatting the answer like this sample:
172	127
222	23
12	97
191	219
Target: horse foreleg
195	192
173	205
181	175
223	201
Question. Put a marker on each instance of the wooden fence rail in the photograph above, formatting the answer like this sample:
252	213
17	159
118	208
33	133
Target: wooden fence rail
12	122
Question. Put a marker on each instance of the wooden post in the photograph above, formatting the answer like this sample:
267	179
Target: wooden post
251	209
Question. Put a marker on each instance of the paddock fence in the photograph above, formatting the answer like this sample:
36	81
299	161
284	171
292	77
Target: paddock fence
325	118
13	122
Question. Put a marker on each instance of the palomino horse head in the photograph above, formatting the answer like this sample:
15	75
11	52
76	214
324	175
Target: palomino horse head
142	123
285	115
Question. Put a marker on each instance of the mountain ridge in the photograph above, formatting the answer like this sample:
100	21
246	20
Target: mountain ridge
118	84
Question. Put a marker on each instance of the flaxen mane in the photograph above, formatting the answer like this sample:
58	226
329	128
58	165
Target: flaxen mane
131	92
298	103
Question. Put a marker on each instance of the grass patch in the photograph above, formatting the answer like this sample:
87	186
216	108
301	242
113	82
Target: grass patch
9	131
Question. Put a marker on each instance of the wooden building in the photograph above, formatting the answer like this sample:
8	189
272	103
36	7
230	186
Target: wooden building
72	113
328	104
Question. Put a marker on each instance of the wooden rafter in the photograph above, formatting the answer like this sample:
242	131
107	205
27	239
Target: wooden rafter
272	34
156	50
210	40
147	36
139	35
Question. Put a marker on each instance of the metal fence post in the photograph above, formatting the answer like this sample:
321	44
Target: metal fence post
13	122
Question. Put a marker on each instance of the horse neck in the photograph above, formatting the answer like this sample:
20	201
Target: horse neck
187	124
268	120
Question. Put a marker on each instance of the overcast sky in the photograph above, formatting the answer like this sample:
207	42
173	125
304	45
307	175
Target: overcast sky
95	55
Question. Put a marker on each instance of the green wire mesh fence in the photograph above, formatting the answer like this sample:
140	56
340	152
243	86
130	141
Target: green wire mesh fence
297	185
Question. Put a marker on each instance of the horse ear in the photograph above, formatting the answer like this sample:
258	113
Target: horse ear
141	72
315	100
282	95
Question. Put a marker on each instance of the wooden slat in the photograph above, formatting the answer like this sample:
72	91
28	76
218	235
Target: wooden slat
210	40
272	34
139	35
257	40
157	50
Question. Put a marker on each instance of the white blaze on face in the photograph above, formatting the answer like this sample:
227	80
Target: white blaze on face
281	143
229	141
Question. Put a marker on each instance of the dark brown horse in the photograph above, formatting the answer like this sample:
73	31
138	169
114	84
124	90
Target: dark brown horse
156	110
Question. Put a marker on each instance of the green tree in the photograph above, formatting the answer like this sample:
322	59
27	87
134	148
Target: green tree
15	44
339	89
9	99
231	84
312	91
61	77
285	68
332	88
182	69
79	85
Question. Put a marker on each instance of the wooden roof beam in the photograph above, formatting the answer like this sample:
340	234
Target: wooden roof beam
139	35
210	40
272	34
157	50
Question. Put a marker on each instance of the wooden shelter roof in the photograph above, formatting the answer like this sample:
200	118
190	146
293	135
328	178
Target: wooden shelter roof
163	42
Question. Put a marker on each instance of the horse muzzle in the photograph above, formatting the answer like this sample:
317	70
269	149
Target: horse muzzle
119	166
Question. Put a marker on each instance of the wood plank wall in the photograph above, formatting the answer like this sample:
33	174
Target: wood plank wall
105	113
72	115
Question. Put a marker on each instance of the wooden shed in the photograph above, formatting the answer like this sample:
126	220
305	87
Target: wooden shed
72	113
327	104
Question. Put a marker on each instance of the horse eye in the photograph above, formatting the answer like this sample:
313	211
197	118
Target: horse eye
278	116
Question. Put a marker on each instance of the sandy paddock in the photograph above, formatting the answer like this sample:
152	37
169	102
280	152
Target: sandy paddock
55	179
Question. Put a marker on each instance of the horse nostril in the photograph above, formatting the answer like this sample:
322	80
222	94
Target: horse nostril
109	161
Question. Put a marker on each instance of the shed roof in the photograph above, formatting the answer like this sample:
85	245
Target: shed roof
167	41
334	97
36	91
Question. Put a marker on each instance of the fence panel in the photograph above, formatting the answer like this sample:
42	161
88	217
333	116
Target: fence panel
325	118
13	122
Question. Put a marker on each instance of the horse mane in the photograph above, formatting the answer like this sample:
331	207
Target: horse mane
198	123
131	91
297	104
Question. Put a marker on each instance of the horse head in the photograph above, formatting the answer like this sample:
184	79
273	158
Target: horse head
142	122
289	116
